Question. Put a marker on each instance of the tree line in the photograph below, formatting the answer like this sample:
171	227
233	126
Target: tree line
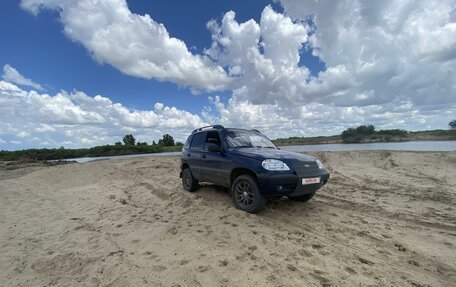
129	146
130	140
354	135
369	133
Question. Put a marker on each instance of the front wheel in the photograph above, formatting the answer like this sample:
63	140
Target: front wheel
247	195
188	181
303	198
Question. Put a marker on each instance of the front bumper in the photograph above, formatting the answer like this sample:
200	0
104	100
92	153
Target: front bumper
290	183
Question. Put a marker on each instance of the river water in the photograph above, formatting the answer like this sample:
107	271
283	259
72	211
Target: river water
403	146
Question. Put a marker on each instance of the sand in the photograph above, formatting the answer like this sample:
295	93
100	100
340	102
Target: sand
384	219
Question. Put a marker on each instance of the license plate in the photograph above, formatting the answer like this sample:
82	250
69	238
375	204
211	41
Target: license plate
310	180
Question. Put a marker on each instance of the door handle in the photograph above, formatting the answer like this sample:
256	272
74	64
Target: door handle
203	156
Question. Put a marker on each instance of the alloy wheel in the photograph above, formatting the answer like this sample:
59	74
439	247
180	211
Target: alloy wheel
244	193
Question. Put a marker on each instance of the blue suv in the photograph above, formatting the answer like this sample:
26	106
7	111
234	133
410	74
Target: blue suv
250	165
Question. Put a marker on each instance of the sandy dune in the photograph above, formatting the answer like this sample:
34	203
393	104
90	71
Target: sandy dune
384	219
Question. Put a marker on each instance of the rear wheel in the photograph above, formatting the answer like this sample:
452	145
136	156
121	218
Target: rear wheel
303	198
247	195
188	181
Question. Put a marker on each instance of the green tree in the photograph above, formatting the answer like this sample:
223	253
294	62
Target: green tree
154	143
452	124
167	140
354	135
350	132
365	130
129	140
118	143
141	143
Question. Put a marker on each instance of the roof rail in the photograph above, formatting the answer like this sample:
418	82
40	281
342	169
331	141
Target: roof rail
255	130
217	127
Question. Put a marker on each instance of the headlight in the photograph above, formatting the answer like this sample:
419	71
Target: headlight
274	164
320	165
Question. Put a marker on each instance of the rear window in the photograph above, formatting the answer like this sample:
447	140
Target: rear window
198	141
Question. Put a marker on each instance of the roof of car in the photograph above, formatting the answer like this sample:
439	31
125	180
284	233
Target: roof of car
220	127
215	127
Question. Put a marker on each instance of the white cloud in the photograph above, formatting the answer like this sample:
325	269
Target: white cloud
134	44
84	120
23	134
262	57
373	53
10	74
321	119
2	141
76	119
43	128
386	49
159	106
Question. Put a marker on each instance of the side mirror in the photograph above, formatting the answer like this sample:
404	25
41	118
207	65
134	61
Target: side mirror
213	148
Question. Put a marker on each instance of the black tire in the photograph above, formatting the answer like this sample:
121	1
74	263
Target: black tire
246	194
188	181
303	198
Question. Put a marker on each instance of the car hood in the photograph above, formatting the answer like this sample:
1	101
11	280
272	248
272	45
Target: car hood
264	153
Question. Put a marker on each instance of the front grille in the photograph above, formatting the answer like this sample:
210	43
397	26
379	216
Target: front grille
305	167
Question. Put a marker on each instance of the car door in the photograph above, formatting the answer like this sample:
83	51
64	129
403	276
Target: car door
214	168
195	154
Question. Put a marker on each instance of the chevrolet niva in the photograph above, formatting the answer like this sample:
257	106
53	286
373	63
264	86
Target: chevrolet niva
250	165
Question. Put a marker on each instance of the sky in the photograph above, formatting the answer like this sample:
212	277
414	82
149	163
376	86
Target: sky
84	73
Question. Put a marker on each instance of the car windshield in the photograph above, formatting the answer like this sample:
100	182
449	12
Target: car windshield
246	138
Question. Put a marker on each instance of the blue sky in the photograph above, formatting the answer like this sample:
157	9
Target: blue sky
286	67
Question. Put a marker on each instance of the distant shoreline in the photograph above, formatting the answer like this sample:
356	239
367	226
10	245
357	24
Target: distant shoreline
363	142
98	151
432	135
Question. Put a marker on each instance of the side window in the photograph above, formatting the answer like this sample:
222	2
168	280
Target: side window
198	141
213	137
